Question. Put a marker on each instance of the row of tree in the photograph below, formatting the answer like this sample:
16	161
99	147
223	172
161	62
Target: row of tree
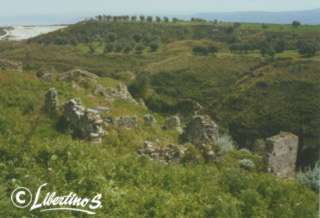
270	48
128	47
134	18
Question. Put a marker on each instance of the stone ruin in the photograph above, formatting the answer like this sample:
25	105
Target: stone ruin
45	75
127	122
173	153
51	103
170	153
149	120
201	130
120	92
78	75
173	123
282	151
11	65
84	123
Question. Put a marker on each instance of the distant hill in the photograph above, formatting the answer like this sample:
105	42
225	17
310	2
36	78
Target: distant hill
305	17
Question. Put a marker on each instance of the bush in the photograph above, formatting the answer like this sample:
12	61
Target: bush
204	50
241	47
224	144
154	46
311	177
267	50
280	46
296	24
109	48
139	88
111	37
307	49
140	48
200	50
247	164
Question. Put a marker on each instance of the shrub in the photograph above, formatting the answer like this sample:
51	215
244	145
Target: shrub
224	144
200	50
139	88
296	24
192	155
267	50
212	49
154	46
204	50
112	37
280	46
247	164
139	48
311	177
307	49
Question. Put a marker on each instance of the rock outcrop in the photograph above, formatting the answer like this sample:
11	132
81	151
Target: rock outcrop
170	153
173	123
149	120
120	92
44	76
201	130
51	103
282	150
77	75
128	122
10	65
84	123
190	106
176	153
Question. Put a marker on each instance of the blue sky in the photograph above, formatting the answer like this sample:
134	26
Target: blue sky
31	7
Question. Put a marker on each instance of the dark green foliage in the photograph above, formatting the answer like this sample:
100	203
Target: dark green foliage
280	46
111	37
267	49
154	46
242	47
308	48
140	87
204	51
296	24
139	48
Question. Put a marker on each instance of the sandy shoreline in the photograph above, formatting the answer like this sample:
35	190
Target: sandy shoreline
17	33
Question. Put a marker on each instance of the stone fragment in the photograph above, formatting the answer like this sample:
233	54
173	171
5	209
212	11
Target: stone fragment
173	123
11	65
51	103
149	120
128	122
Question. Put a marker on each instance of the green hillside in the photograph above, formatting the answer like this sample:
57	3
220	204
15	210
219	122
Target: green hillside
253	80
273	62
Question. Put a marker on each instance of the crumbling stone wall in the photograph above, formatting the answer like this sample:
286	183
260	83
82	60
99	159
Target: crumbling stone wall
173	123
84	123
282	150
201	130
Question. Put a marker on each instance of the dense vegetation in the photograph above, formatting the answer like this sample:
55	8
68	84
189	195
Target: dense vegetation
254	80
